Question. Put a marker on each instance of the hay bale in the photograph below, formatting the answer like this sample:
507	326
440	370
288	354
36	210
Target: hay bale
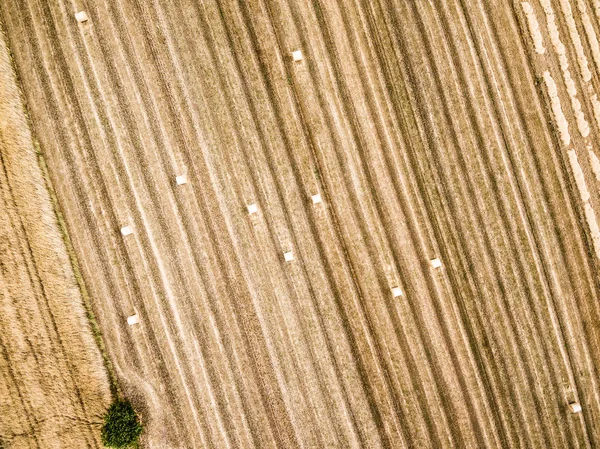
575	407
81	16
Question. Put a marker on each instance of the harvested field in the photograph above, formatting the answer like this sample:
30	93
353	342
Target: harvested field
53	384
458	130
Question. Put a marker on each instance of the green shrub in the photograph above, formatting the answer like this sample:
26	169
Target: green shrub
122	427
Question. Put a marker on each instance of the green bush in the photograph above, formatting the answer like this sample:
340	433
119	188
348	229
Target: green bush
122	427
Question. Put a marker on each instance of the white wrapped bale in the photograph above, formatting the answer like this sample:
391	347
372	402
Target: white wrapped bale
575	407
81	16
297	55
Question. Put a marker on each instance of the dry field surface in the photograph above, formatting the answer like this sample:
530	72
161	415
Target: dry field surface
53	385
464	130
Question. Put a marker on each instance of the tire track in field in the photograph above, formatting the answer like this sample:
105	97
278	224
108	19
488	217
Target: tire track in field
12	375
17	262
20	394
41	299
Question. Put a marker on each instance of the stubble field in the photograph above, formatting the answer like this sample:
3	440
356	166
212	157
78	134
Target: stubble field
460	130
